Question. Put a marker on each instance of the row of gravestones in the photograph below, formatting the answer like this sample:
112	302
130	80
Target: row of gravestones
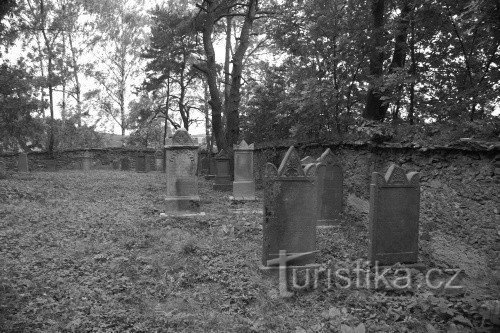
143	163
300	195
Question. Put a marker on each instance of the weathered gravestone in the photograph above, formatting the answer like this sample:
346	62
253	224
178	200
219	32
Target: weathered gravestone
393	217
159	161
243	185
222	180
86	161
141	162
115	164
330	199
125	164
289	210
182	183
22	165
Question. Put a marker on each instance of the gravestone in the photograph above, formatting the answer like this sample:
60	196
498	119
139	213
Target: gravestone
393	217
125	164
86	161
159	160
243	185
222	180
330	200
22	165
182	182
115	164
289	210
141	162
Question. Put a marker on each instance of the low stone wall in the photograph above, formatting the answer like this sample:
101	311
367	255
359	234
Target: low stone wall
102	158
359	161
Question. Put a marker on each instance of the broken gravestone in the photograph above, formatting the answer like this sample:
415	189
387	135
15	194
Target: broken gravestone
125	164
243	185
330	184
289	210
22	165
182	182
393	217
222	180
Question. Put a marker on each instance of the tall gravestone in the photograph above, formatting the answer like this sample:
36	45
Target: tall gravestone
22	165
222	180
243	185
141	162
394	216
289	210
330	200
125	164
86	161
182	182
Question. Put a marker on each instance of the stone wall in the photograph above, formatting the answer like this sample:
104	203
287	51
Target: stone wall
102	158
359	161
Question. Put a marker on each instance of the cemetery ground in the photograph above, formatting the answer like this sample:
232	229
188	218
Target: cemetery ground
90	252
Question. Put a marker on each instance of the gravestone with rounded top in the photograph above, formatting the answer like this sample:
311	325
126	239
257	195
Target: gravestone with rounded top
394	216
222	180
141	162
86	161
243	185
330	200
182	183
289	210
22	165
125	164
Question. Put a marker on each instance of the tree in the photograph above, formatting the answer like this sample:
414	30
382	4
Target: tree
172	48
120	36
211	12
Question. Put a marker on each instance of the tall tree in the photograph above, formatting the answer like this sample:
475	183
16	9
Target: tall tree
212	12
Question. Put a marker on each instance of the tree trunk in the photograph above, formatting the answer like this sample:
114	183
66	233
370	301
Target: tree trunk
373	109
413	70
232	106
77	81
211	75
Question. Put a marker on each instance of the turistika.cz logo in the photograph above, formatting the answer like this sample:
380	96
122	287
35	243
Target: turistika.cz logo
362	276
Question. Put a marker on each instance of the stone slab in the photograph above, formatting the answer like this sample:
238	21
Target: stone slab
22	165
394	217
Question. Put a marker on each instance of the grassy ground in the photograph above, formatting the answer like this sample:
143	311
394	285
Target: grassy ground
90	252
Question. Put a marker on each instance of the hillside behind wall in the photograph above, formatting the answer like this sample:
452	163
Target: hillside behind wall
460	186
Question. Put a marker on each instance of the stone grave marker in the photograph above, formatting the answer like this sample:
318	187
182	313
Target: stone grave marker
222	180
125	164
22	165
289	210
86	161
182	182
394	216
141	162
330	200
115	164
243	185
159	161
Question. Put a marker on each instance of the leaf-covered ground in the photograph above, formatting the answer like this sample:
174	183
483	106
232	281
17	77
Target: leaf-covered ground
91	252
